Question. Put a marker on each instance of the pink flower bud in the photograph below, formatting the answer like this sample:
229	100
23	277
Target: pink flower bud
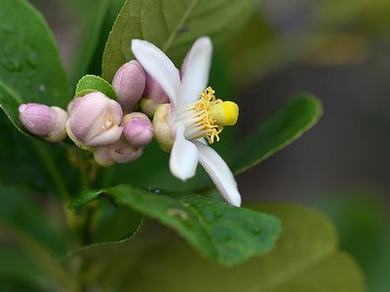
44	121
58	133
120	152
154	91
129	84
94	121
137	129
102	156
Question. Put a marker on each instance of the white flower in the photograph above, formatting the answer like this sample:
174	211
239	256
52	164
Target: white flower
194	114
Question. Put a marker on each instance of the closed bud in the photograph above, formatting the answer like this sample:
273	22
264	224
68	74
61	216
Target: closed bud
94	120
154	91
137	129
119	152
129	84
149	106
162	127
102	156
154	96
44	121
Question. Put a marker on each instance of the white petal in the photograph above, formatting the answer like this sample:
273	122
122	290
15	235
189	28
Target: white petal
195	70
220	173
158	66
184	156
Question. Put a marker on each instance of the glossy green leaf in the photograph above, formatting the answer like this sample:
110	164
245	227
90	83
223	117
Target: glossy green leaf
35	161
281	129
91	83
30	171
172	25
227	234
114	223
30	70
18	210
306	258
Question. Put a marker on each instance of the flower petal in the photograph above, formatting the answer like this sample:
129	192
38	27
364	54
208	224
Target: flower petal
184	156
158	66
220	173
195	70
107	137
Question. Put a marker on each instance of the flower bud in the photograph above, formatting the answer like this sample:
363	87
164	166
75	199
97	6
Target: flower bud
162	127
149	106
58	133
129	84
102	156
137	129
120	152
154	96
44	121
154	91
94	121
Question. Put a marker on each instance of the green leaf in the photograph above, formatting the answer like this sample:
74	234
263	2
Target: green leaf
30	70
306	258
91	83
281	129
172	25
17	265
227	234
361	217
21	212
43	257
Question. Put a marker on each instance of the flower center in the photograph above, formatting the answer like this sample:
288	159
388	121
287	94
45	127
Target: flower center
207	116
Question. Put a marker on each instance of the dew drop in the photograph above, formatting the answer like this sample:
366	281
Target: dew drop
42	88
178	213
217	214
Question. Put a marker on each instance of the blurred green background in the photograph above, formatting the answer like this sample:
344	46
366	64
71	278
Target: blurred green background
337	50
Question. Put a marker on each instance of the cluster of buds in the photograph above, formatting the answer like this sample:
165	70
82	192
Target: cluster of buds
111	129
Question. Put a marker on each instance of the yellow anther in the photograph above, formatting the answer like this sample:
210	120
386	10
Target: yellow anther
214	114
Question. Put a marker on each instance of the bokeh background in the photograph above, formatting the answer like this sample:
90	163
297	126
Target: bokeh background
338	51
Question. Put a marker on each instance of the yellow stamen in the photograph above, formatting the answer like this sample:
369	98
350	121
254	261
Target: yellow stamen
214	114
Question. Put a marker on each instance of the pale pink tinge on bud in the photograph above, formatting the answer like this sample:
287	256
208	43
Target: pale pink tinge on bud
94	120
102	156
44	121
58	133
129	84
119	152
154	96
137	129
154	91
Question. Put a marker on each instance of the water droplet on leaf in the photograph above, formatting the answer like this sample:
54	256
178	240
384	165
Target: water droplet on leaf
217	214
42	88
178	213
